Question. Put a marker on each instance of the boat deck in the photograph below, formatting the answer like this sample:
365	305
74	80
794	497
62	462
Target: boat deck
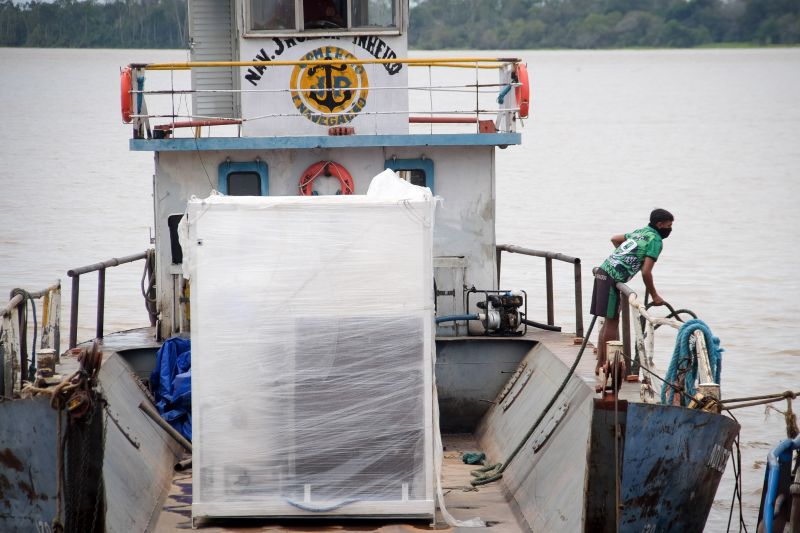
462	501
489	502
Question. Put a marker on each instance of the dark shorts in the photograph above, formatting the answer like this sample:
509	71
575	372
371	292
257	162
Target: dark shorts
605	296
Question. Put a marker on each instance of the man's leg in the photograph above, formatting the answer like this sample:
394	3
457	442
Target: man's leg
607	305
609	332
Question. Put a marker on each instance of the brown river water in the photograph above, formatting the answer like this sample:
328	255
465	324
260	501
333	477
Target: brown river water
711	135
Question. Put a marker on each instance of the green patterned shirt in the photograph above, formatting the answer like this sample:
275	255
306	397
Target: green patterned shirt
628	259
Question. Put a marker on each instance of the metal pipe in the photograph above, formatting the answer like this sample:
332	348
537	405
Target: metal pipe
155	417
186	464
498	254
199	123
73	312
578	300
514	249
548	272
101	302
443	120
626	333
283	63
114	261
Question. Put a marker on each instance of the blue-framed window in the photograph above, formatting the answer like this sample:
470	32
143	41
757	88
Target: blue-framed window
244	179
416	171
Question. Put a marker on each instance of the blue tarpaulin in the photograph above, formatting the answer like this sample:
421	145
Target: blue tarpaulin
171	384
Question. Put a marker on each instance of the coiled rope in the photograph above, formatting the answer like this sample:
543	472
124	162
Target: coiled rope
684	359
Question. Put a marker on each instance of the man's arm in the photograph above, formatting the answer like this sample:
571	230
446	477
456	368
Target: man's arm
647	277
617	240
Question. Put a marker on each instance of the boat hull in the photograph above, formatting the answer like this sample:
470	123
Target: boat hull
671	462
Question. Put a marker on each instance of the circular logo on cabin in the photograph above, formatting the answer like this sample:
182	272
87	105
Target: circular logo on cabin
330	93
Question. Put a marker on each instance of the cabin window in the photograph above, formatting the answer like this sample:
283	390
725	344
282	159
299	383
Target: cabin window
244	179
282	16
416	171
374	13
272	15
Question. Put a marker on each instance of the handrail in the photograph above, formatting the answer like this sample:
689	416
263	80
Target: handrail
76	274
14	332
549	257
426	62
647	393
501	115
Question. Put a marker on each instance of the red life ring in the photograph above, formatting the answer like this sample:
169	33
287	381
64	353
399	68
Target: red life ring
325	168
125	94
522	92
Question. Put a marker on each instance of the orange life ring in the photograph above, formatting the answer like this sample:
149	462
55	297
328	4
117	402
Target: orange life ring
125	94
325	168
522	92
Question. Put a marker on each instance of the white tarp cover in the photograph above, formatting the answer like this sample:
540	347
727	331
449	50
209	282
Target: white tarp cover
312	355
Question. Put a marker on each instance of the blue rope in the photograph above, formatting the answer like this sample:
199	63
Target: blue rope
683	360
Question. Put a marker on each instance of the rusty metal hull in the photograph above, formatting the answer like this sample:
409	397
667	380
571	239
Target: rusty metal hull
27	464
671	462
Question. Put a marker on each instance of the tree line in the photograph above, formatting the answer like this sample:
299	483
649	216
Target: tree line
437	24
522	24
89	24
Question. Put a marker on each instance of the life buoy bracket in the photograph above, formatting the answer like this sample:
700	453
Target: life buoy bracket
325	168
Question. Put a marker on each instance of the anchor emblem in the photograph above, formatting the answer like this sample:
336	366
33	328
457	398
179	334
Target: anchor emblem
333	91
328	88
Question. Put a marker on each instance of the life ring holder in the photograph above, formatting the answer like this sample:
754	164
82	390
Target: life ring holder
522	92
125	85
325	168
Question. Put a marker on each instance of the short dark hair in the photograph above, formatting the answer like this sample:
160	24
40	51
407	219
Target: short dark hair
660	215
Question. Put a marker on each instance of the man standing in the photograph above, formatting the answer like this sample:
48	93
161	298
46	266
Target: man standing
634	251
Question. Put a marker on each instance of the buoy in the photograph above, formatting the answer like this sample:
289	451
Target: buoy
522	92
325	168
125	94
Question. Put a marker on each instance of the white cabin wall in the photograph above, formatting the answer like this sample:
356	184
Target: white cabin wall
464	179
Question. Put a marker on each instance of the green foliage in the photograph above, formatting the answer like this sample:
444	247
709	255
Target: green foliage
89	24
437	24
521	24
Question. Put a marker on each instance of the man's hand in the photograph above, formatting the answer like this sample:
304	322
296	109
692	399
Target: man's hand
658	300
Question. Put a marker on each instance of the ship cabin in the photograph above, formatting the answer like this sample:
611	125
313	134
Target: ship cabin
299	97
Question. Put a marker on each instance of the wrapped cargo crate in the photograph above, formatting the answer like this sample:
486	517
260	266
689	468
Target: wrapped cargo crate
312	340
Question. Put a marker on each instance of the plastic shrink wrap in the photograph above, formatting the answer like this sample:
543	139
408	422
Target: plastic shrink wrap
312	339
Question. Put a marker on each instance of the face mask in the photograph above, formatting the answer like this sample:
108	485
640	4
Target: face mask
664	232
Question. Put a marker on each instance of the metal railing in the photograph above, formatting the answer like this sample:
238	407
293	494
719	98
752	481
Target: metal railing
645	325
14	330
480	113
549	257
100	268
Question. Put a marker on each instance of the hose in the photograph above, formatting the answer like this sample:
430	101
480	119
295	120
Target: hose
453	318
781	454
487	475
32	365
539	325
326	509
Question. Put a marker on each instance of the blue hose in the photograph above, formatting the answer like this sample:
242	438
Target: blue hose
453	318
781	454
502	96
683	355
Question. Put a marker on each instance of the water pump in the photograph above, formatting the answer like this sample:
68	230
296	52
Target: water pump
501	312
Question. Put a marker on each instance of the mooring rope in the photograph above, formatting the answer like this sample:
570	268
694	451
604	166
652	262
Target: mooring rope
684	359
